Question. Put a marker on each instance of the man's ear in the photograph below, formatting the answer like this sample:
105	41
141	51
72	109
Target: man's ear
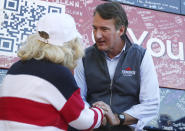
121	30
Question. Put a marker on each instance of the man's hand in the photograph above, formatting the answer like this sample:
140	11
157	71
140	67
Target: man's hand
104	122
110	116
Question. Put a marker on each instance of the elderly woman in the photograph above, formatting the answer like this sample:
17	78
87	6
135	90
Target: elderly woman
39	91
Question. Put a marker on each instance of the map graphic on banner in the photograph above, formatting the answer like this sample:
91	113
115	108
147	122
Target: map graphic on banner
18	20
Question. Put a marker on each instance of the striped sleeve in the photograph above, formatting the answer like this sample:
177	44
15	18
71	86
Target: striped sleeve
80	116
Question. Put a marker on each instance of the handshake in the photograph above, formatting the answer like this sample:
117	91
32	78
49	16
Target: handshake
109	116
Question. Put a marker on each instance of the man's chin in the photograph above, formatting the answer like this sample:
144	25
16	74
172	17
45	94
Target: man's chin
101	48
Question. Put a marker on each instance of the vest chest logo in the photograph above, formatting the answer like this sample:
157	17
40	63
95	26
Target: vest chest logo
128	71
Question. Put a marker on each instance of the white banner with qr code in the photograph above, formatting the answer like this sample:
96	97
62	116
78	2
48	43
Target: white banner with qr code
18	19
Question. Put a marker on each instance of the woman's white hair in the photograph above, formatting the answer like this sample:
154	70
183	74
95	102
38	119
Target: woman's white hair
66	55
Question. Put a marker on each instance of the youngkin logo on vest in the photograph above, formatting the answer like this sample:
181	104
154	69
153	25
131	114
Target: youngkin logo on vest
128	72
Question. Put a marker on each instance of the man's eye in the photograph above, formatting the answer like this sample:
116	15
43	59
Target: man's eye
104	29
94	29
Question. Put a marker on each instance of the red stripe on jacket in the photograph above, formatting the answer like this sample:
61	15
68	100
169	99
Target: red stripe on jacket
73	107
30	112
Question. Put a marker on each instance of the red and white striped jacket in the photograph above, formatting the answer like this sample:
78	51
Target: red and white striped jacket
39	95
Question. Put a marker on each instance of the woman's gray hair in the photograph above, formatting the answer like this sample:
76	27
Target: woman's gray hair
66	55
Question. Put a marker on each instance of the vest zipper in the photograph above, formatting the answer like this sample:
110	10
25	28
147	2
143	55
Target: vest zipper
111	92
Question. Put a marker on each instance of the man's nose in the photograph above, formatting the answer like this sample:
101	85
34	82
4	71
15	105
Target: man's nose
98	34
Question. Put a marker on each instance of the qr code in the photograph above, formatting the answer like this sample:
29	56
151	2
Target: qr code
18	19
